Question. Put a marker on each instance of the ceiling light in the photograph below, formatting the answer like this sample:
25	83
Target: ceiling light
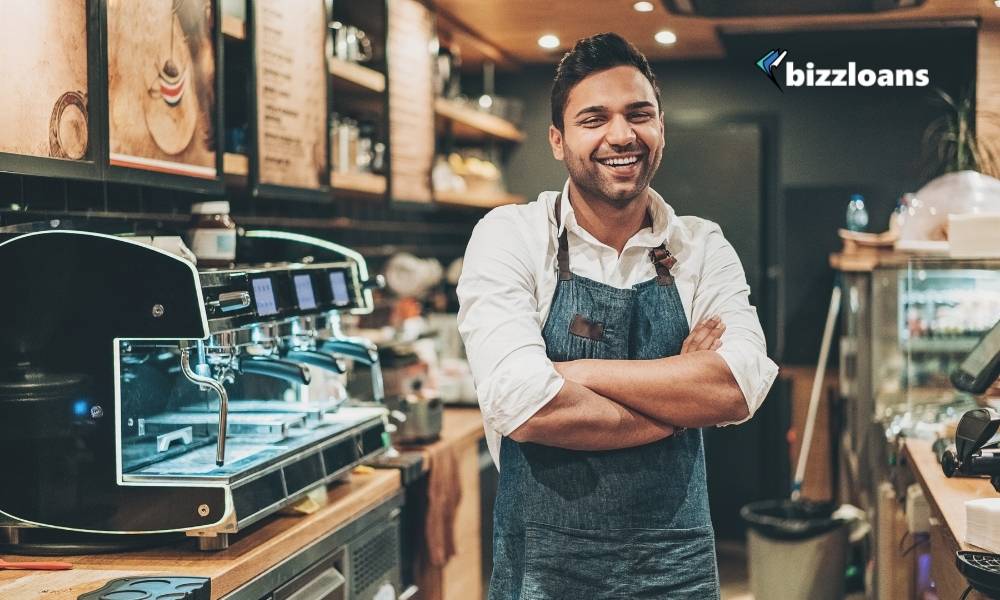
665	37
647	6
548	41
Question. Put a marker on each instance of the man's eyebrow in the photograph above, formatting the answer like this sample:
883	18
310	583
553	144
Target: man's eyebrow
600	109
592	109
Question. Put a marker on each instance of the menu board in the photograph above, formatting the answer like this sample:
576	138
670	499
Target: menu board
43	108
162	103
291	84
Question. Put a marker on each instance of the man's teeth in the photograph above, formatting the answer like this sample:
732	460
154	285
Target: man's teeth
620	162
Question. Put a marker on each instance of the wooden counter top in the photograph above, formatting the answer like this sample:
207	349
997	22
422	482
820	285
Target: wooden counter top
461	425
946	496
250	553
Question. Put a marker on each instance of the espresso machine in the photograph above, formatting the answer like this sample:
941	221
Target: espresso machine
139	395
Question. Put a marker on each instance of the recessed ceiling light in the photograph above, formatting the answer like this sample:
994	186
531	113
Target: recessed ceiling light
648	6
548	42
665	37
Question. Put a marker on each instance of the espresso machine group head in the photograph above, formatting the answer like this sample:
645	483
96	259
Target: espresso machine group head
143	396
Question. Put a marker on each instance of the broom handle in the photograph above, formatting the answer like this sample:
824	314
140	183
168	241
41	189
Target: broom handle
817	387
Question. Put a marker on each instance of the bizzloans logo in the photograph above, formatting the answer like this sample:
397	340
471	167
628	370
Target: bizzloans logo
851	76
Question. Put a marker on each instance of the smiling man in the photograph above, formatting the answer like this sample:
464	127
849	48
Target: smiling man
575	312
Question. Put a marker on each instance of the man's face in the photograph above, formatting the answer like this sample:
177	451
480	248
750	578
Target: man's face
612	138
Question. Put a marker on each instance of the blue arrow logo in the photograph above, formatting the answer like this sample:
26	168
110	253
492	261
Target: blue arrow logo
769	62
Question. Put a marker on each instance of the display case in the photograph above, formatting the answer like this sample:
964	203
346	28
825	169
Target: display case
907	322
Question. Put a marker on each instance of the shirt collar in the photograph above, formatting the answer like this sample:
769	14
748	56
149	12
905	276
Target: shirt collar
665	221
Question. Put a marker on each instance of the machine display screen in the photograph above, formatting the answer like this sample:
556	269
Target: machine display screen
304	292
263	294
338	285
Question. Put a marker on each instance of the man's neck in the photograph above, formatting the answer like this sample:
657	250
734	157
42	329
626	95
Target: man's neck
611	225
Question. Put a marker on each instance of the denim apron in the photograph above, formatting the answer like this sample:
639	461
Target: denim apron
615	524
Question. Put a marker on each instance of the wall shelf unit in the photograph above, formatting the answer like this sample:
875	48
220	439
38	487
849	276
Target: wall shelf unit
360	183
469	124
357	75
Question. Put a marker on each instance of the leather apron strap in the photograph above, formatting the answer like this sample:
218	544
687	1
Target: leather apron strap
661	258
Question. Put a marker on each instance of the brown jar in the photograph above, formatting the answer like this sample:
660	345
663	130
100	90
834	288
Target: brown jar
212	234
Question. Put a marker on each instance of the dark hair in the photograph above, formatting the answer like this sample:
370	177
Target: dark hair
590	55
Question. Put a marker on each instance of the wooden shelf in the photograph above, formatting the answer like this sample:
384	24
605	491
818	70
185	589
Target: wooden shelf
360	76
235	164
477	200
469	123
365	183
234	27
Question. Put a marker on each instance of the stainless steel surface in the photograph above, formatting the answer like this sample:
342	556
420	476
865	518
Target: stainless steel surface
314	411
220	453
272	426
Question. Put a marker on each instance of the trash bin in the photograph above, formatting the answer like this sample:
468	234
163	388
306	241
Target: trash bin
795	550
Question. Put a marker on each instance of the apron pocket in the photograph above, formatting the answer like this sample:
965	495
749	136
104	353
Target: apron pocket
612	564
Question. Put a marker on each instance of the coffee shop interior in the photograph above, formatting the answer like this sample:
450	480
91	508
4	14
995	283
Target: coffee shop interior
231	233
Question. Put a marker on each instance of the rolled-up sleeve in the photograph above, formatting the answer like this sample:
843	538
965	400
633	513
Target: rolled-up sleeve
722	290
500	324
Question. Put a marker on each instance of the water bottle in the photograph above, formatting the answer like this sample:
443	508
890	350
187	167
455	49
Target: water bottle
857	215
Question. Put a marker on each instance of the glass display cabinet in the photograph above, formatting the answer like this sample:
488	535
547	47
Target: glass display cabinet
906	323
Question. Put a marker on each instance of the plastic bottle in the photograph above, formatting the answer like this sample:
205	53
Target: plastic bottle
857	215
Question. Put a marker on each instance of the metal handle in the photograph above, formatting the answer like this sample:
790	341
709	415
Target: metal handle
374	283
409	593
323	360
229	301
359	349
220	445
293	372
163	441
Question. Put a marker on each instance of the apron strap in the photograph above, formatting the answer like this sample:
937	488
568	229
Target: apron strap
661	258
663	261
562	255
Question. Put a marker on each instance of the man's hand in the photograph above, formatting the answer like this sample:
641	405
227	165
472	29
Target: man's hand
706	335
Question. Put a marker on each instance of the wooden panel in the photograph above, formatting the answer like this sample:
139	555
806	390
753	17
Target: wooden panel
818	482
363	77
411	100
463	573
249	555
472	124
988	83
515	25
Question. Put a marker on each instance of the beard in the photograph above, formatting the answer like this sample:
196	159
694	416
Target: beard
597	182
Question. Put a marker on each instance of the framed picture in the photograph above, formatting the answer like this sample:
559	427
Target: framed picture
48	112
163	83
289	120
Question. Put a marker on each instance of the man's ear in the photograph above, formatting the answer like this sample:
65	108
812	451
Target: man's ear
556	141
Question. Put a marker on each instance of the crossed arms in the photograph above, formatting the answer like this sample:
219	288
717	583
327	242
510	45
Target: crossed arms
611	404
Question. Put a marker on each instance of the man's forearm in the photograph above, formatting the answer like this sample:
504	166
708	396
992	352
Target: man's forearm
689	390
578	418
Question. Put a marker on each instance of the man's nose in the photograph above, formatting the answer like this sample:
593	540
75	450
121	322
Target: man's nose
620	132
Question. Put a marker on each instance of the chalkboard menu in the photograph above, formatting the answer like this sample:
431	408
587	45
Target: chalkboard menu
163	99
290	80
46	114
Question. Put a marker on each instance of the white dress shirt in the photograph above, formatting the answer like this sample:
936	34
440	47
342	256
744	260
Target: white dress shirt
509	276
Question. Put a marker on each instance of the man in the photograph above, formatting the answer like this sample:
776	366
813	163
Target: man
574	312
